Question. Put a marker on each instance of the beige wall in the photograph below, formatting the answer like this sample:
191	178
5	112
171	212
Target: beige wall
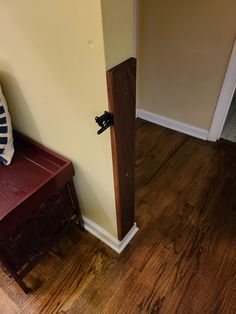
184	48
118	26
52	68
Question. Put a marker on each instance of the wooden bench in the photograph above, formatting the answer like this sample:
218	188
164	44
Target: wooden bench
38	203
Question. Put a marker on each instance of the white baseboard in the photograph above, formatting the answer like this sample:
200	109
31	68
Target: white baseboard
107	238
172	124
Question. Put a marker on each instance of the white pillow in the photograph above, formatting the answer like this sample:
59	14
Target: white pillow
6	139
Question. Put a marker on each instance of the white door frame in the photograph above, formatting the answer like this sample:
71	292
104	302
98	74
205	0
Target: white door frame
225	99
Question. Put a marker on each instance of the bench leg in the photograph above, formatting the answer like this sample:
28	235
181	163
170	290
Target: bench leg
75	204
12	274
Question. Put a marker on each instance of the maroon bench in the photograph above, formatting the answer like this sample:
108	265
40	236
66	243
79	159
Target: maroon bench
38	203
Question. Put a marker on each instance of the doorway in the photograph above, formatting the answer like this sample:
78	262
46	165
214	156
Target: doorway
229	130
225	101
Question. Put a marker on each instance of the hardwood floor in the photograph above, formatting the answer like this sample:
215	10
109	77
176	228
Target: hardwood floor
183	260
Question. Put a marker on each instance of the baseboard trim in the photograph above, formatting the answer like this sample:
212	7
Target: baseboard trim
172	124
107	238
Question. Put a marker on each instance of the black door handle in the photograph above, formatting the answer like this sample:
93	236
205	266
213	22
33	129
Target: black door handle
104	121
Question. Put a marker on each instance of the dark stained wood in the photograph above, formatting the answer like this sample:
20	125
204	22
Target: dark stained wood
138	123
183	260
38	204
121	82
152	157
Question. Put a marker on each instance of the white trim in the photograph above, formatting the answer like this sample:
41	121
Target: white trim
172	124
225	99
106	237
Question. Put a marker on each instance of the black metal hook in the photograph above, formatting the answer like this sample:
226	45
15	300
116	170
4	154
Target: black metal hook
104	121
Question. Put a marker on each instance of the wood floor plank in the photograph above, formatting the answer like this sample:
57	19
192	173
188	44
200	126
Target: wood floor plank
7	305
156	157
146	139
41	275
139	122
65	285
183	259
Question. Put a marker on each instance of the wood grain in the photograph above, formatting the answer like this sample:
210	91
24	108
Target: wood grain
183	260
121	82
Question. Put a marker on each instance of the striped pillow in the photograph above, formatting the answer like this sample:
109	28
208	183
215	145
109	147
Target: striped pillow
6	139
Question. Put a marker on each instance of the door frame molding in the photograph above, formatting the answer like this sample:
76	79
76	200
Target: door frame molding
225	99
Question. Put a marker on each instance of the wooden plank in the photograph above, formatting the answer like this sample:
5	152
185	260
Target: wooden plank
154	157
7	305
138	123
121	82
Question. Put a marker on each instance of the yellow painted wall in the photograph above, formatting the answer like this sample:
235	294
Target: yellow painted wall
184	47
118	26
52	69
